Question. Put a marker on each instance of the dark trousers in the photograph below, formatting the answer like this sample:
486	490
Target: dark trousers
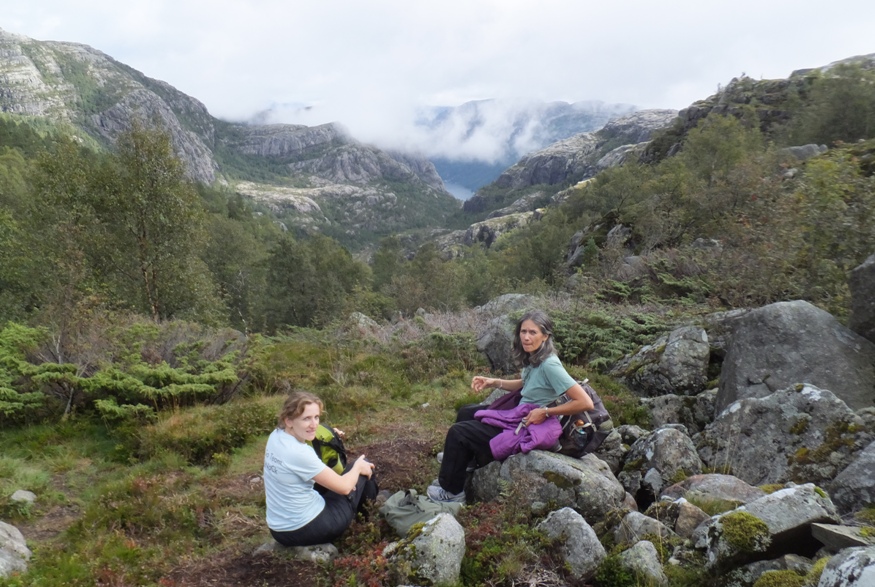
467	412
334	519
467	440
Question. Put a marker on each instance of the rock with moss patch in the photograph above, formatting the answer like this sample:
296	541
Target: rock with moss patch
432	556
747	575
586	484
578	545
776	524
801	433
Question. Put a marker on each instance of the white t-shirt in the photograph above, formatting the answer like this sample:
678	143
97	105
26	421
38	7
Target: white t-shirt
289	468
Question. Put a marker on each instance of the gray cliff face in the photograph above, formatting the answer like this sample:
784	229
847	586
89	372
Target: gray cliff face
73	84
577	158
582	156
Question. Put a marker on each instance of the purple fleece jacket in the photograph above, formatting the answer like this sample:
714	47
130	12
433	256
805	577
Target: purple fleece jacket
538	436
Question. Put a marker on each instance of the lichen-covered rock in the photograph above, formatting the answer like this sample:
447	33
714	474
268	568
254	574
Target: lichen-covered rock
662	458
14	552
585	484
642	559
674	364
578	545
694	412
714	487
797	434
679	515
432	556
636	526
496	342
853	567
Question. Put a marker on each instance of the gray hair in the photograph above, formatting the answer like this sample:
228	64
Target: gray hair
545	325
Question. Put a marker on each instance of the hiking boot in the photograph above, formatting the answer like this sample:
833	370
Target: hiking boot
382	496
439	494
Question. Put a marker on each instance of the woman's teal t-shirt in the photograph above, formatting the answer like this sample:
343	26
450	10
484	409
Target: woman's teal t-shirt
546	382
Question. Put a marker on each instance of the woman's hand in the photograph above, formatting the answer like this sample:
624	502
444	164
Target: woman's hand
479	383
536	416
364	466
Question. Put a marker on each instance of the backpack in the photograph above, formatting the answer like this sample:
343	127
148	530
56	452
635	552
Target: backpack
403	509
329	448
584	432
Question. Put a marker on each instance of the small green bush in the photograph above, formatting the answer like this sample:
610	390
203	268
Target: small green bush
780	579
200	434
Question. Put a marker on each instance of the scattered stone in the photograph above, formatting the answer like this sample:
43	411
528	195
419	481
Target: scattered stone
578	545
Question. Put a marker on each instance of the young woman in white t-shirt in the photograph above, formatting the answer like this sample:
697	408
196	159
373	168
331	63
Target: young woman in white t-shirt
298	514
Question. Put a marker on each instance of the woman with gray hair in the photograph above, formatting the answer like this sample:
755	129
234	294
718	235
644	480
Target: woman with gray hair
542	381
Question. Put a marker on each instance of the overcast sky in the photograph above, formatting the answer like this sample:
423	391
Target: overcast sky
369	63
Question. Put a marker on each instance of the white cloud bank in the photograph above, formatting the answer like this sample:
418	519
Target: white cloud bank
372	65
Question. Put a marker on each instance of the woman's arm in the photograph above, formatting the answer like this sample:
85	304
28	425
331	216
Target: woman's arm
344	484
480	383
579	401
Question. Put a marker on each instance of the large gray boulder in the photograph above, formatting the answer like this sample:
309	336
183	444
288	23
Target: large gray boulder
676	363
853	567
496	342
579	547
586	484
786	343
658	460
854	488
431	557
14	552
862	286
798	434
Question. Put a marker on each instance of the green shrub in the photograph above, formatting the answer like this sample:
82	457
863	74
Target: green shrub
780	579
199	434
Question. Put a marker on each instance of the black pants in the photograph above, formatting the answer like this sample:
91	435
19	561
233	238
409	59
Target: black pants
334	518
467	412
467	440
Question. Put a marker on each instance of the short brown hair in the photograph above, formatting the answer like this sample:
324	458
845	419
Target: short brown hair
295	404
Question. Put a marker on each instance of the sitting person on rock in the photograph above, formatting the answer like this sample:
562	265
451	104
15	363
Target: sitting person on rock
543	380
297	513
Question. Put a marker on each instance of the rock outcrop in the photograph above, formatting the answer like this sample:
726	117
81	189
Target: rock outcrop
789	343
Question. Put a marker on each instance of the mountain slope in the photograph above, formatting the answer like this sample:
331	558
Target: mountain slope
361	191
